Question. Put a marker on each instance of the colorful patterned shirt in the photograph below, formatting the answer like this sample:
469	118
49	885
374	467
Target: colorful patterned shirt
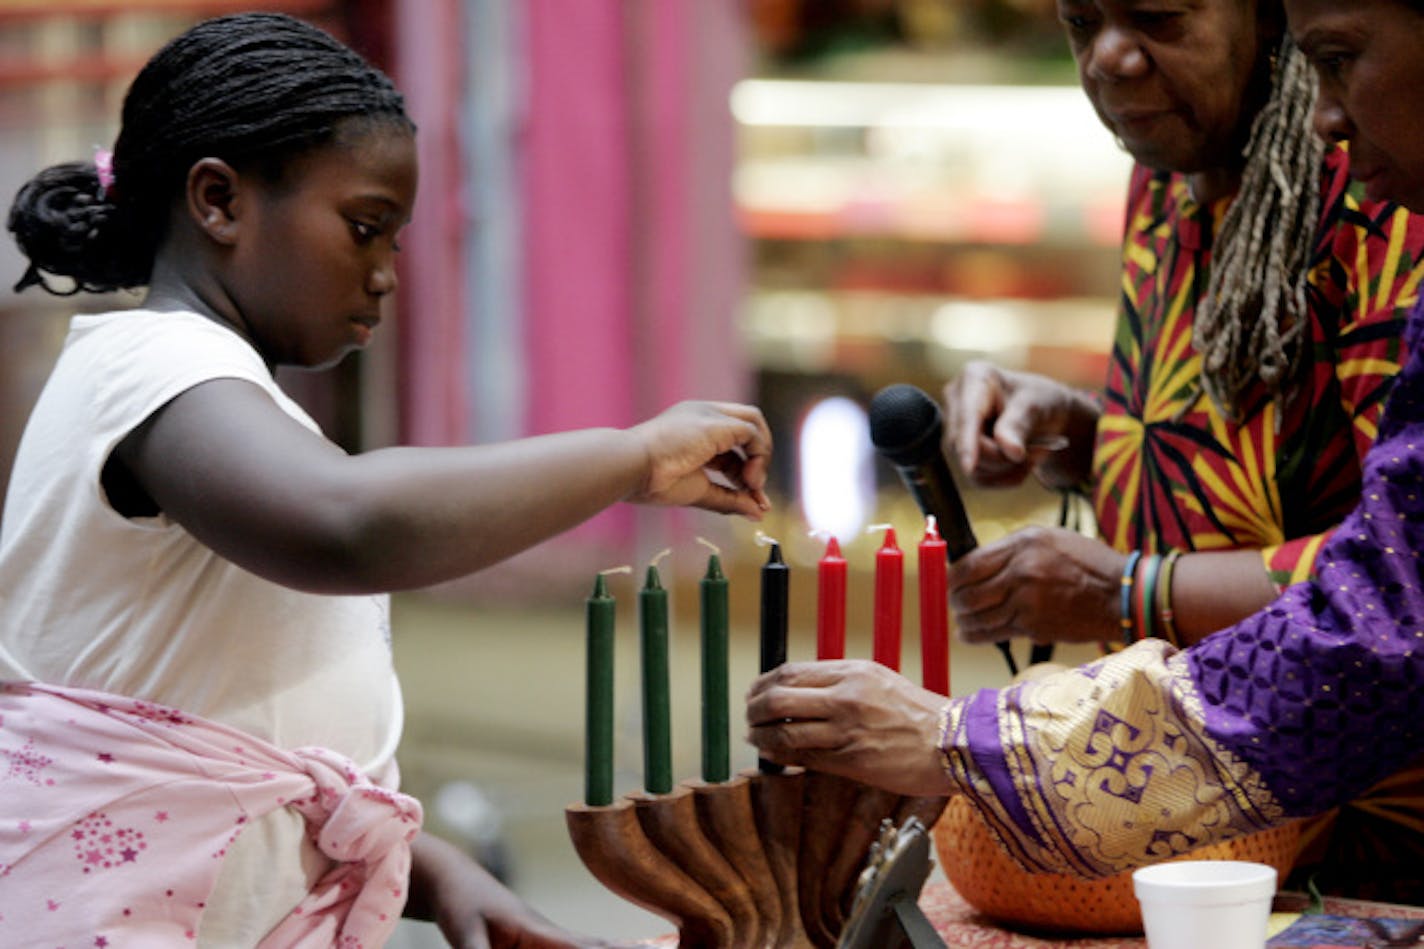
1198	481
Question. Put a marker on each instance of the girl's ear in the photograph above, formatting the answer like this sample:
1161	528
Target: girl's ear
212	198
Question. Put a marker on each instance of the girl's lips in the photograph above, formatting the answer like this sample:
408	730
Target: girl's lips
363	329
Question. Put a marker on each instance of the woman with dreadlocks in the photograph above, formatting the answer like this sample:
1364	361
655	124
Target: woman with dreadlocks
1259	328
1299	707
1259	332
198	707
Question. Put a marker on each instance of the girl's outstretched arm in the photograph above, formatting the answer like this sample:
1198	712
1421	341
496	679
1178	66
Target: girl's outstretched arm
225	462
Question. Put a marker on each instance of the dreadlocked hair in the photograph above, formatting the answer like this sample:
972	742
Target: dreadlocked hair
255	90
1253	320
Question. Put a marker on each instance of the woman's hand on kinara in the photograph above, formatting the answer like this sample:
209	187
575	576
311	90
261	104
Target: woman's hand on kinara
712	455
854	718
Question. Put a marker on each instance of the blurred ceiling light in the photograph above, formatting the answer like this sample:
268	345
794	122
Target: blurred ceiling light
979	326
794	329
1017	138
910	105
837	475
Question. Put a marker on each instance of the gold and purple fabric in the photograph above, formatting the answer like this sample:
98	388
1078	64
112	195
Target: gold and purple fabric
1299	708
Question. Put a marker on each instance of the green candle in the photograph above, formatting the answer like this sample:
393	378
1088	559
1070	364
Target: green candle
716	762
657	725
598	698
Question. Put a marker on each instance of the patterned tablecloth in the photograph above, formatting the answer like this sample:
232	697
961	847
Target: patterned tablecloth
963	927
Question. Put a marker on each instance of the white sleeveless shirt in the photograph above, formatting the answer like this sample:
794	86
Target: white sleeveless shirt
139	607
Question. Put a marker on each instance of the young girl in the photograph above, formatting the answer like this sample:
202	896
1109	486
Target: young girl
198	709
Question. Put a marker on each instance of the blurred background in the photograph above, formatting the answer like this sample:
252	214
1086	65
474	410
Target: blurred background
625	203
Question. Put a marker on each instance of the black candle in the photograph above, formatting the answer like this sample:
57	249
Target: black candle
775	591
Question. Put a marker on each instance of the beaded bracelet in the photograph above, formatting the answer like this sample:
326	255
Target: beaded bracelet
1148	586
1129	574
1164	598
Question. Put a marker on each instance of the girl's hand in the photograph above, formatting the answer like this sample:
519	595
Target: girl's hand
854	718
712	455
481	928
1048	584
1002	425
476	911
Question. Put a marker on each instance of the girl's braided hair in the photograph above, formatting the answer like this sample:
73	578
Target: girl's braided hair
254	90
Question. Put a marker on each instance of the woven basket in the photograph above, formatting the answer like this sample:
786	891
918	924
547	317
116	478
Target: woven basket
991	882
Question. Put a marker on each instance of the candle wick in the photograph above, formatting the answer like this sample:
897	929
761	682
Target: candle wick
612	570
878	527
707	543
659	556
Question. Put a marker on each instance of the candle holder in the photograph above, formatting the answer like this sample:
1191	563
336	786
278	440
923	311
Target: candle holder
763	861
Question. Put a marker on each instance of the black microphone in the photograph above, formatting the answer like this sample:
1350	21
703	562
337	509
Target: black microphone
906	426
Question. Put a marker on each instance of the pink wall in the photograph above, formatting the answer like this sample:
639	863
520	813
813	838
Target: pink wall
636	266
632	266
579	218
429	69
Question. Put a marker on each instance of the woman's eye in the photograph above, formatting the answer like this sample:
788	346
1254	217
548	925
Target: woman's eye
1331	64
364	232
1157	21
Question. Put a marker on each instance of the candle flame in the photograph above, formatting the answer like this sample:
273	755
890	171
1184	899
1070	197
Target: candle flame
713	547
765	540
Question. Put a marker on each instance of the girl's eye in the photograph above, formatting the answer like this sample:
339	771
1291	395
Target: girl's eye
364	232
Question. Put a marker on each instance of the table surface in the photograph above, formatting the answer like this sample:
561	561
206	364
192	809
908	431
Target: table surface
959	924
963	927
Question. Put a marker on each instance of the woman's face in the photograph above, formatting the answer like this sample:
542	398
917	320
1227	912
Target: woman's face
1369	55
1177	81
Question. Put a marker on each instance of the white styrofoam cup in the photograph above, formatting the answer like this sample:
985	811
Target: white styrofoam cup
1205	904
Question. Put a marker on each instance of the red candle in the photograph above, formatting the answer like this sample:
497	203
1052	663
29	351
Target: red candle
889	596
934	610
831	600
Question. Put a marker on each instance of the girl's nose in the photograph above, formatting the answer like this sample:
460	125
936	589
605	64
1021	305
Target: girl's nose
382	279
1114	55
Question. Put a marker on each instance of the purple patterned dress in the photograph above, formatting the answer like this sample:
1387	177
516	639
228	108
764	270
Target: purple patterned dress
1152	752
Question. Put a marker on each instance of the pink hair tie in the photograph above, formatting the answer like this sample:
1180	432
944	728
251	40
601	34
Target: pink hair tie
104	164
